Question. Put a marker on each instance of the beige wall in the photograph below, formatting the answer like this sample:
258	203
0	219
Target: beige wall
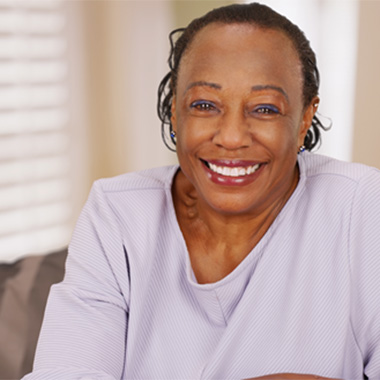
366	146
124	60
185	11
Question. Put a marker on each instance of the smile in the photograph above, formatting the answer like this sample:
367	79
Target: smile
238	171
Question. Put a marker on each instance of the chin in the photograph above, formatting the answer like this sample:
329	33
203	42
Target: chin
231	205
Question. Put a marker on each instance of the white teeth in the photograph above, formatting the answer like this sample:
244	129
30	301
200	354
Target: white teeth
219	169
233	172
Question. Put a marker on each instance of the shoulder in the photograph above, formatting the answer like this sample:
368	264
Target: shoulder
134	203
316	165
157	178
338	192
119	214
120	201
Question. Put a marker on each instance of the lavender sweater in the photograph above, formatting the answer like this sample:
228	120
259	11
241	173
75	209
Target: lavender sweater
305	300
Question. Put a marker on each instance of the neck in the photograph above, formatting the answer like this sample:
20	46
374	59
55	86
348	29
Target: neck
217	243
227	226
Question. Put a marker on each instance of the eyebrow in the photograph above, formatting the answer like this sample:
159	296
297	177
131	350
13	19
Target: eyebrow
270	87
203	84
253	88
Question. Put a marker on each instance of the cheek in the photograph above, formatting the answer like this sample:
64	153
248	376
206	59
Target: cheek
278	138
192	133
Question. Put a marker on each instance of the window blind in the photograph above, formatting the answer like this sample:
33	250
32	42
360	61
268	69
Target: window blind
35	207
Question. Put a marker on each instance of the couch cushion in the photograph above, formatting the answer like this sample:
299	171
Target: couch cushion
24	287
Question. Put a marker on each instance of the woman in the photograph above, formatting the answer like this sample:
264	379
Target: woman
254	258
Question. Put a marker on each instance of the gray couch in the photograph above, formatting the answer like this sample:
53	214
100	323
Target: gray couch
24	287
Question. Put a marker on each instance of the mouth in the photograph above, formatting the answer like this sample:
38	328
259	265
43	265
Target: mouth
231	169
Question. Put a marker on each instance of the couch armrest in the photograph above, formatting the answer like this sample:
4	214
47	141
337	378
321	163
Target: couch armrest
24	287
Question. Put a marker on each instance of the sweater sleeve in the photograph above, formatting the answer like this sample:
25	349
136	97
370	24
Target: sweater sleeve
85	325
365	270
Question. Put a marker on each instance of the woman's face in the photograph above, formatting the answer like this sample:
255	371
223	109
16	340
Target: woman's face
239	117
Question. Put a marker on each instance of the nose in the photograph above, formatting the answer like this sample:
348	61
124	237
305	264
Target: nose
233	131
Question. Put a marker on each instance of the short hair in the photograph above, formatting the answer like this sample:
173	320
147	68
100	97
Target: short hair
254	14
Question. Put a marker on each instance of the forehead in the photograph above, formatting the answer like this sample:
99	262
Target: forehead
241	46
220	32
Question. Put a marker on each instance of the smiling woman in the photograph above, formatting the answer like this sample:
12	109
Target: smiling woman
238	133
253	258
250	117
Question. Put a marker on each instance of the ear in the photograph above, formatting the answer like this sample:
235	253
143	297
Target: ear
173	117
307	119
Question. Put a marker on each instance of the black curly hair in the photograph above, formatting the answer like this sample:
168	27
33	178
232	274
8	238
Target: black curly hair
253	13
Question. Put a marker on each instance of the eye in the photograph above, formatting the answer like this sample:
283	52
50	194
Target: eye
266	109
203	105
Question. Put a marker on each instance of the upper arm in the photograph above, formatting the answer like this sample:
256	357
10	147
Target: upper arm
365	270
86	317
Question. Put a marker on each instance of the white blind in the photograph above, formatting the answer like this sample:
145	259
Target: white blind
35	206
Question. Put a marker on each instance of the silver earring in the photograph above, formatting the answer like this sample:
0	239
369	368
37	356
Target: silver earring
172	134
301	149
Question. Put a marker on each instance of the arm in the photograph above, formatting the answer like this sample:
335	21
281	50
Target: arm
365	271
290	376
85	324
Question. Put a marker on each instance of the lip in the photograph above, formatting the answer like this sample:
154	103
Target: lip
233	163
228	180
